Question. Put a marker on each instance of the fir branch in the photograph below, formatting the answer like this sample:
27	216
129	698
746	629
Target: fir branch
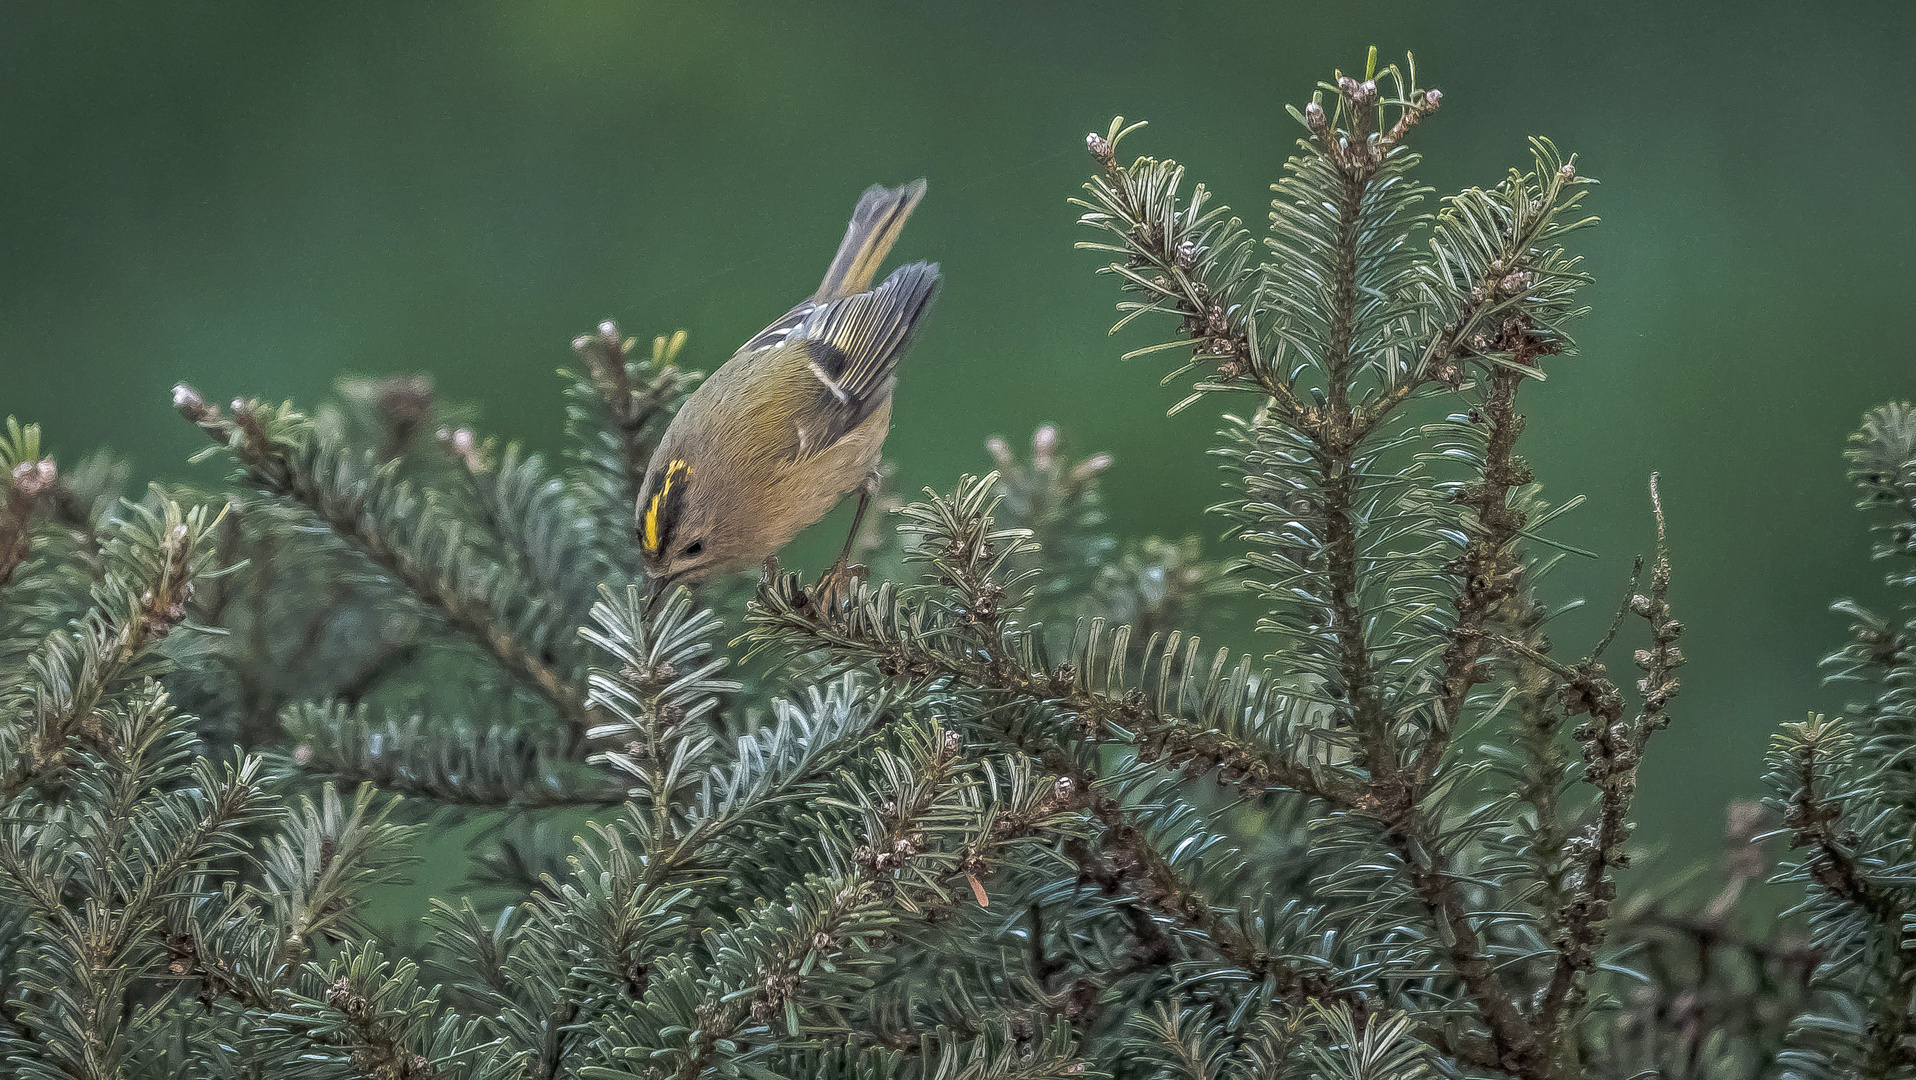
659	702
1515	1042
636	394
1882	459
1348	622
905	641
1538	769
1161	889
253	944
259	441
926	823
146	815
540	530
373	1018
597	936
1127	861
498	767
1503	277
1489	570
958	635
1369	1047
1185	260
154	559
1047	1055
1809	755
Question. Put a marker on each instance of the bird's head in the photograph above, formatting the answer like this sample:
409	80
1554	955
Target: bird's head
682	529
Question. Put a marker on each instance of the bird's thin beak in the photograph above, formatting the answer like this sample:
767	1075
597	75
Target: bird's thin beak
660	585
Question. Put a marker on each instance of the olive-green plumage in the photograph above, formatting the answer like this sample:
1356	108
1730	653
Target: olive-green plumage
796	418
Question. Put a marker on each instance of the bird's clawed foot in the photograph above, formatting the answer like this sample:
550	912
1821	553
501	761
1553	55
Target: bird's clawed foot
839	584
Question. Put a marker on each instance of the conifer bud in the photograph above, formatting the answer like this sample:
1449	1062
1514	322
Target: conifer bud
190	404
1314	118
30	478
1102	149
464	446
1044	445
1044	449
1090	467
1433	99
1000	452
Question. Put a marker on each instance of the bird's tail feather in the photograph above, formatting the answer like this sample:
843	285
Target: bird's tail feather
880	215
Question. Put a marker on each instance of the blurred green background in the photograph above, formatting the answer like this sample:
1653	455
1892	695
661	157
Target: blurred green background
259	197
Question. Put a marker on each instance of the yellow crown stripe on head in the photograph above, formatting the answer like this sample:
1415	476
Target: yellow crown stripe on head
655	510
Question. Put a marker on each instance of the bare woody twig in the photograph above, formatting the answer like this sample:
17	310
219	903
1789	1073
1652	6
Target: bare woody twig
1612	751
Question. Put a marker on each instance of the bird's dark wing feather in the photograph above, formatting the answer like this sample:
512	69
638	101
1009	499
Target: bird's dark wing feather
853	344
781	327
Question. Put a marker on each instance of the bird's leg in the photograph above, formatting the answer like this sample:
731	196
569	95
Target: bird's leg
838	579
865	490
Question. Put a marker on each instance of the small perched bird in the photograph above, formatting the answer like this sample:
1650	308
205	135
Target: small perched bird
795	419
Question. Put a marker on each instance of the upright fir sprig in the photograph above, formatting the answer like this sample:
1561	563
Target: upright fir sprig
616	411
660	698
917	829
597	939
1845	794
151	563
531	521
1057	501
95	873
1399	594
1153	585
1882	459
50	516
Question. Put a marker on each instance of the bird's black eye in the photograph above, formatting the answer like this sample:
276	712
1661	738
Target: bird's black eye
693	548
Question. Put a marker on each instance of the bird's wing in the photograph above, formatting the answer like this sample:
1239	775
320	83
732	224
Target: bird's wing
851	348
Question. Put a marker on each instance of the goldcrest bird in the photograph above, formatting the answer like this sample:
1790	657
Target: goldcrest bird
776	436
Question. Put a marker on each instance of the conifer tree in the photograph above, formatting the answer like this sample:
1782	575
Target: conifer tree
993	813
